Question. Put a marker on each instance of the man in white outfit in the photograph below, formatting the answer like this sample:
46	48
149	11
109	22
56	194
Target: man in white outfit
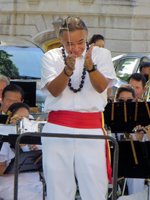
76	77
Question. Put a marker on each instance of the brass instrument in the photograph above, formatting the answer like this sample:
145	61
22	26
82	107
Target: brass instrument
146	95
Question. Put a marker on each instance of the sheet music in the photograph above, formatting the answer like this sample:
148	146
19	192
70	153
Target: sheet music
25	125
7	129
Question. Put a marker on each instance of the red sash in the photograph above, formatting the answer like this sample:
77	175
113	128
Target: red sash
76	119
82	120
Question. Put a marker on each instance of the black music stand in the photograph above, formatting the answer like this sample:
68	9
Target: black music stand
134	156
123	117
3	120
127	166
28	161
1	143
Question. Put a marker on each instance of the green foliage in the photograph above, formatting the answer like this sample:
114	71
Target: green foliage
7	67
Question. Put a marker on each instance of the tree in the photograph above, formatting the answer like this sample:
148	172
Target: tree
7	67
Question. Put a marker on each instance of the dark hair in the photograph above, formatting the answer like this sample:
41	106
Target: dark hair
16	106
13	88
138	77
144	64
71	24
124	88
95	38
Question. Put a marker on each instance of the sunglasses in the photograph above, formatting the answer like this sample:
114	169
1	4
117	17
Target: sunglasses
128	100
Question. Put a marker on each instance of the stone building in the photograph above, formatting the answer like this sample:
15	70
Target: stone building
125	24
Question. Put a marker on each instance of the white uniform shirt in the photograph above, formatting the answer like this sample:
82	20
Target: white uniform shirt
88	99
6	153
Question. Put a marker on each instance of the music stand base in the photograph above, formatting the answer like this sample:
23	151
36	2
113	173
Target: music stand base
148	188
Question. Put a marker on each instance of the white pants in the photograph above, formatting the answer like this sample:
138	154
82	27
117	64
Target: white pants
64	159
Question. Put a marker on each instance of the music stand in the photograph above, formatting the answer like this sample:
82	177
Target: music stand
127	167
134	156
124	116
28	161
3	120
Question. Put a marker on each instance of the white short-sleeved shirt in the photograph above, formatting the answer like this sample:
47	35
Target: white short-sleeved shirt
88	99
6	153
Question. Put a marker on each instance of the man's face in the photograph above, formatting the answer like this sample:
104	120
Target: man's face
138	87
74	42
9	99
145	70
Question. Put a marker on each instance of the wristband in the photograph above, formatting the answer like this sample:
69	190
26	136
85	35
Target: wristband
94	68
65	72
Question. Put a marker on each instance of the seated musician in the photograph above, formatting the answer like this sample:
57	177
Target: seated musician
136	185
30	186
137	188
11	94
125	93
138	82
145	70
128	94
18	111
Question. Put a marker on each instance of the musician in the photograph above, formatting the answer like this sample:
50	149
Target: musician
136	187
29	185
145	70
11	94
76	77
21	111
97	40
5	157
128	94
125	93
142	133
138	82
17	111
